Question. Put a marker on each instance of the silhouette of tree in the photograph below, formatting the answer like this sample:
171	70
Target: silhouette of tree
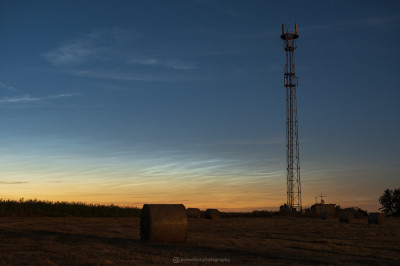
390	201
396	202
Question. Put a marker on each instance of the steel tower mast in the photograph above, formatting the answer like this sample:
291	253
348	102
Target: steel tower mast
292	132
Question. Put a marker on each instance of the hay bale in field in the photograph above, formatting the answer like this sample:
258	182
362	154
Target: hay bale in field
193	213
163	223
346	217
376	218
357	212
211	214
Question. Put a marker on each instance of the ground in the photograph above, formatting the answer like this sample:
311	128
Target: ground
262	241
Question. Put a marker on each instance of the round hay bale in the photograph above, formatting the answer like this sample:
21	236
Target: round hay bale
163	223
211	214
193	213
346	217
376	218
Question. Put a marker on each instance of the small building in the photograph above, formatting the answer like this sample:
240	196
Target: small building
323	210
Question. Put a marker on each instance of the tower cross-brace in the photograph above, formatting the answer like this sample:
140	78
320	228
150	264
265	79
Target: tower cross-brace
292	132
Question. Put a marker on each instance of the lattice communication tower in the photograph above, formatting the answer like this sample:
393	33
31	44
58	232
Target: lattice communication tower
292	130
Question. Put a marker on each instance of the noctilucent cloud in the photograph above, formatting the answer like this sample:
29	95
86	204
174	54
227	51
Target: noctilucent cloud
132	102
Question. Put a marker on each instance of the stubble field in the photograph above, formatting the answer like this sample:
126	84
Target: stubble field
262	241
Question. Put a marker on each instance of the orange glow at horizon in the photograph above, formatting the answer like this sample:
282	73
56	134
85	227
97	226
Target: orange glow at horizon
240	198
224	184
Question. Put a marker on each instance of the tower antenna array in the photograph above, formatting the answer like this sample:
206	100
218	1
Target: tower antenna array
292	132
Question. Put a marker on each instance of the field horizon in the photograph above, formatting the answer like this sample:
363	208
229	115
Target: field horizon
134	206
38	208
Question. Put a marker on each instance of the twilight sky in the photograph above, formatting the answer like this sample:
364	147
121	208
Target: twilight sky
133	102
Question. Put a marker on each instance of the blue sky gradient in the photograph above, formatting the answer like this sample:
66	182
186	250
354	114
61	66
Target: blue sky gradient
133	102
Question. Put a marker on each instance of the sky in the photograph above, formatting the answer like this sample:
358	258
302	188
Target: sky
182	101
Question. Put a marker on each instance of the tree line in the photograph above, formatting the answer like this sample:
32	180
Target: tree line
38	208
390	201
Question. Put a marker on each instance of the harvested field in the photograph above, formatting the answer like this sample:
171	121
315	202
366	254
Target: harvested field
272	240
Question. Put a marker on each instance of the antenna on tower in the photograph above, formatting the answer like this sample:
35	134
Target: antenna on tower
292	132
322	199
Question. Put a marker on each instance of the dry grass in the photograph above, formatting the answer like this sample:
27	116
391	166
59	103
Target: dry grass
275	240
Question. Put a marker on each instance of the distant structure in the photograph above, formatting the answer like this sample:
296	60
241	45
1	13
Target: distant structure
323	210
292	132
322	199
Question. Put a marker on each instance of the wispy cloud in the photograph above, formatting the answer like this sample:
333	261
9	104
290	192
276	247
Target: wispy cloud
226	9
254	142
114	50
5	86
168	63
28	98
372	22
12	183
144	61
177	64
20	99
96	45
363	22
126	75
72	53
113	75
259	142
63	95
